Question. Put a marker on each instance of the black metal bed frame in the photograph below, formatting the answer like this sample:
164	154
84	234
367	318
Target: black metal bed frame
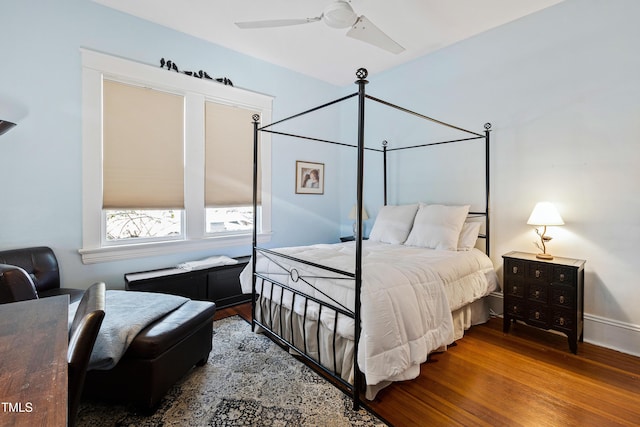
268	320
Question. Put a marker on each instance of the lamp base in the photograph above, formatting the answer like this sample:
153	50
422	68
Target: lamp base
544	256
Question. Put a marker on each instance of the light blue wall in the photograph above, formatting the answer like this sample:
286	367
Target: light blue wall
41	168
562	89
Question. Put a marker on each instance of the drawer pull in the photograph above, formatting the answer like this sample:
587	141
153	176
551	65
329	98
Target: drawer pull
515	290
537	274
561	299
562	277
537	315
537	294
561	321
515	270
515	308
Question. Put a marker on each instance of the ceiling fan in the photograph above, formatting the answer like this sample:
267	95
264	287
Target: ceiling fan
339	14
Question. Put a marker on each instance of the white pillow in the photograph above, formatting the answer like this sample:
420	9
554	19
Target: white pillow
393	224
438	226
469	235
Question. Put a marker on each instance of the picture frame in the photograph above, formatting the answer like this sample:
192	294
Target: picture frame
309	177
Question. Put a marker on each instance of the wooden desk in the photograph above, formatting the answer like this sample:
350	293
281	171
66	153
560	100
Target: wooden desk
33	362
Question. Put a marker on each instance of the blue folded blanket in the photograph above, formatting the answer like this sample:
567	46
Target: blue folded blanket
126	314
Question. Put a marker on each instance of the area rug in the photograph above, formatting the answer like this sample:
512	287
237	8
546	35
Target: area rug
248	381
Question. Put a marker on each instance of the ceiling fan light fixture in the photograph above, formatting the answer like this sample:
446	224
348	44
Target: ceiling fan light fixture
339	14
367	32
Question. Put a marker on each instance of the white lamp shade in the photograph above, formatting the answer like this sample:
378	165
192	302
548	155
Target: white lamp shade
545	213
352	214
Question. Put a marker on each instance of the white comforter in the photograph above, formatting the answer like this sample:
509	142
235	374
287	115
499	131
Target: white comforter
407	297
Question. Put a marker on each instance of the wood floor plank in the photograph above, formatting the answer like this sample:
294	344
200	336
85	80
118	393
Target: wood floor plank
525	378
535	387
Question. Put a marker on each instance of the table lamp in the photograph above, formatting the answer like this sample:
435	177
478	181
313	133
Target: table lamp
544	214
352	215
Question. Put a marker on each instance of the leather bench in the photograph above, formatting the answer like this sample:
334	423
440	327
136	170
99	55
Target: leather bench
158	357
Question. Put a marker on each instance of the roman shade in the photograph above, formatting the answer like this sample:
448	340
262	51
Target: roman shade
229	156
143	148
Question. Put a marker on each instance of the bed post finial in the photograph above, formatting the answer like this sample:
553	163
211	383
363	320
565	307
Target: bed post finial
361	74
487	126
256	118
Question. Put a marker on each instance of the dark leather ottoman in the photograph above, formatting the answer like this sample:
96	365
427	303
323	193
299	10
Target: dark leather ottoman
158	357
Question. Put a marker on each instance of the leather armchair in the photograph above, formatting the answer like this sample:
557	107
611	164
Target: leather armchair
42	274
15	284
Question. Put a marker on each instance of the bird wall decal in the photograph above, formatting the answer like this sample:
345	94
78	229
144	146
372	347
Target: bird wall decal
200	74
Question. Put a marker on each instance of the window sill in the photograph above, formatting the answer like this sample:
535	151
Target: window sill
122	252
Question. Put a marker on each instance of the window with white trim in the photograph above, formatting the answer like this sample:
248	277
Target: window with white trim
142	163
167	161
228	176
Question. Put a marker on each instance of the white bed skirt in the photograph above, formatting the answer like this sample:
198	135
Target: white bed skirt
471	314
293	330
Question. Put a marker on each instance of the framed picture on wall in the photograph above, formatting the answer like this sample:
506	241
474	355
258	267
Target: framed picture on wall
309	178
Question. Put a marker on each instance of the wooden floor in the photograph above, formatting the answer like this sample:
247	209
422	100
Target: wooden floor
525	378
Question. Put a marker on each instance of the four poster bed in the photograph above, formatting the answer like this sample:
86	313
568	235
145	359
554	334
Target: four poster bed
369	312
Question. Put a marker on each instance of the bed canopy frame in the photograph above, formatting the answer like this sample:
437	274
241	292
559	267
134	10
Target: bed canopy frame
267	324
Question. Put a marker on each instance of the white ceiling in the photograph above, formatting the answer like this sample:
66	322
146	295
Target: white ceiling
314	49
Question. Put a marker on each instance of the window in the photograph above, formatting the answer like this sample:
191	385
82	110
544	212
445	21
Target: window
167	161
139	224
229	219
228	174
142	163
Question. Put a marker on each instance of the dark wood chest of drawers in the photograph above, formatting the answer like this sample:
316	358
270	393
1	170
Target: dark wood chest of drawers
547	294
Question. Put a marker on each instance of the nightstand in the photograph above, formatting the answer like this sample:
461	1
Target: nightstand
350	238
548	294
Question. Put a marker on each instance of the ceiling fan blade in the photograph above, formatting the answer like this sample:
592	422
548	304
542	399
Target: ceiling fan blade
275	23
365	31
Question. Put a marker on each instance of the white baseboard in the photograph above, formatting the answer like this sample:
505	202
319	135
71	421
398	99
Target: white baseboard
612	334
608	333
496	304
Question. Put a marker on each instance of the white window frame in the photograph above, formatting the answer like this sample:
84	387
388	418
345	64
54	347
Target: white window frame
95	67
